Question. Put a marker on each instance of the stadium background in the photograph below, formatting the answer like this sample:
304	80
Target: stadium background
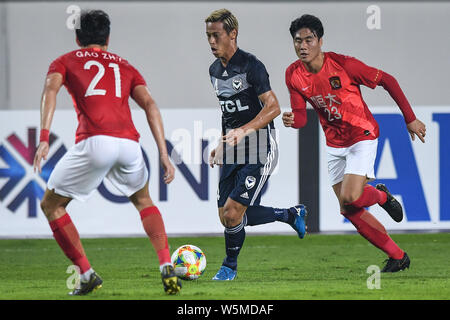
166	42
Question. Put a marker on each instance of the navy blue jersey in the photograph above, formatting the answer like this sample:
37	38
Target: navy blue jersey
237	87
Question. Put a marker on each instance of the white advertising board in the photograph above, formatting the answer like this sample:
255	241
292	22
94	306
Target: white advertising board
188	204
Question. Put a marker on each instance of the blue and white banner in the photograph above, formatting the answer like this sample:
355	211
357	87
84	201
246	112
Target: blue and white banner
188	204
416	173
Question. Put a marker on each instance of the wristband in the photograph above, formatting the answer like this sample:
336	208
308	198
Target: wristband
45	135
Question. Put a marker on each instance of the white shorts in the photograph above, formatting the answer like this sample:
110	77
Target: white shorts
84	166
357	159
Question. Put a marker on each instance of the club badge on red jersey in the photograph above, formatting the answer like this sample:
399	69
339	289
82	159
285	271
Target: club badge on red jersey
335	83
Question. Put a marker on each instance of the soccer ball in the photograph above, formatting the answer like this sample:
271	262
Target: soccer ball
189	262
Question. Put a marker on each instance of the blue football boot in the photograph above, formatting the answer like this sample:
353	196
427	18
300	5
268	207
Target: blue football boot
225	273
299	224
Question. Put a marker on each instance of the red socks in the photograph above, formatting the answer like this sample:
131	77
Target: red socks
371	229
66	235
369	197
367	225
154	227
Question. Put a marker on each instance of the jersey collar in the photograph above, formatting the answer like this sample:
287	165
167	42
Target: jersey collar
309	74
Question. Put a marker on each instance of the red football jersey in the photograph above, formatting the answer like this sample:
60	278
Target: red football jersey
335	94
100	84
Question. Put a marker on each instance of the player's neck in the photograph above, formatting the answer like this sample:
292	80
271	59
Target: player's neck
228	55
315	65
103	48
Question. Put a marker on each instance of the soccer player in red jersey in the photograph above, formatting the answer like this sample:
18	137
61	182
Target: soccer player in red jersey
106	144
331	82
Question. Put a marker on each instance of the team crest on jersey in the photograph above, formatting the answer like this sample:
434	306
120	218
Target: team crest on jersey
250	182
335	83
237	84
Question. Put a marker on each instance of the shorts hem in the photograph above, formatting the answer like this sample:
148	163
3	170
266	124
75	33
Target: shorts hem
130	193
66	194
340	179
242	201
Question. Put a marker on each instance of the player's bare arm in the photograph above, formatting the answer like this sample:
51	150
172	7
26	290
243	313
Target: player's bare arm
53	83
270	111
144	99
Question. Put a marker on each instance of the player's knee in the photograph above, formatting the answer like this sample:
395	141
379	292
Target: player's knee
230	218
45	205
49	208
346	199
142	203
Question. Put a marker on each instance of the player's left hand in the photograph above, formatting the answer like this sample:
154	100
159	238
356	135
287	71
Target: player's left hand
169	169
418	128
234	136
41	153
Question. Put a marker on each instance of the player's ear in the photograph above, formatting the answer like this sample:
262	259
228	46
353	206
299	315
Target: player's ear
107	41
78	42
321	42
233	34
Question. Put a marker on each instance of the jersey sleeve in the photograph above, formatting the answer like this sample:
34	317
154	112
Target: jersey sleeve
59	67
360	73
137	79
390	84
298	103
258	77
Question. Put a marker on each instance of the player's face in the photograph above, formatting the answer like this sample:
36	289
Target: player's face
221	42
307	45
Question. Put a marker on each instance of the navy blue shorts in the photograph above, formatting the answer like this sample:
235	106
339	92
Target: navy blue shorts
243	183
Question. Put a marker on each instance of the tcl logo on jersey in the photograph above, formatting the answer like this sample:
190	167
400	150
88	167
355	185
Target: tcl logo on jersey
232	106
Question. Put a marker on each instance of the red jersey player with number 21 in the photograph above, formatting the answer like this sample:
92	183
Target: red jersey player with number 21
330	83
106	144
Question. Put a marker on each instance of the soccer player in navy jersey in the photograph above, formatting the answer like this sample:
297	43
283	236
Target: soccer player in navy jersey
106	144
331	82
248	151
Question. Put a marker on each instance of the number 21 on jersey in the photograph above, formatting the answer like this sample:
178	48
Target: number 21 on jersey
91	90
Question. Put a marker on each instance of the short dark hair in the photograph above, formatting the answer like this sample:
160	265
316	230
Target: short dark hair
94	28
307	21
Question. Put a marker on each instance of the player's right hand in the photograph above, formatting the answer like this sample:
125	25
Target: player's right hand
41	152
288	119
215	157
168	168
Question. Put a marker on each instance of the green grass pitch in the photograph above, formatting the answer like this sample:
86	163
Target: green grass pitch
270	267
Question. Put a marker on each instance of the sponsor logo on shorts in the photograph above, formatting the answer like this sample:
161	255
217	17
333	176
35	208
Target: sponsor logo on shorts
250	182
